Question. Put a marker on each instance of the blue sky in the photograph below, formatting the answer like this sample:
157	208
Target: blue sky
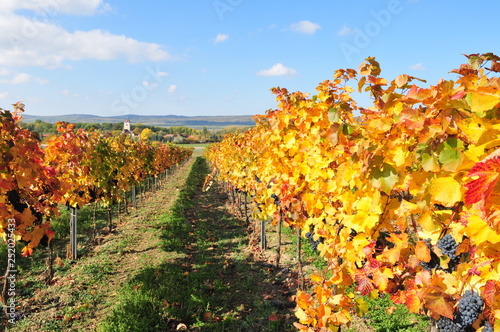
220	57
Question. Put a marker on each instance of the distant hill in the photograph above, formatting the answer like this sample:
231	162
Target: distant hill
196	122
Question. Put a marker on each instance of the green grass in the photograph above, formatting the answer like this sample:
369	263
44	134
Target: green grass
385	316
205	288
194	145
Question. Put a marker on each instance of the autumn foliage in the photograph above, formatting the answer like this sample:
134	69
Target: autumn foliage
382	185
76	168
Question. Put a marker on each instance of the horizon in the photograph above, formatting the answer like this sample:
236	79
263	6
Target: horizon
134	115
221	57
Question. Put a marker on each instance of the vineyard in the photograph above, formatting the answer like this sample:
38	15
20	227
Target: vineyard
398	200
76	168
402	197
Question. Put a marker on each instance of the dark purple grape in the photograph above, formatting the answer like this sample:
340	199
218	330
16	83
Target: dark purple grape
469	308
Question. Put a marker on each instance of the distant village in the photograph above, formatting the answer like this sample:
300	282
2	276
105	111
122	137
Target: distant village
177	135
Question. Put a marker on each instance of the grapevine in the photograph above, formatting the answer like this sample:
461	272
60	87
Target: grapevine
420	165
75	168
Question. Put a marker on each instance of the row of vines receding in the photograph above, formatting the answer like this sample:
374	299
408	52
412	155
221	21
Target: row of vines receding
75	168
404	194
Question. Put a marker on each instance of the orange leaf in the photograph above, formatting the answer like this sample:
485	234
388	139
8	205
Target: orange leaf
300	326
27	251
439	303
401	80
422	252
480	189
464	246
413	302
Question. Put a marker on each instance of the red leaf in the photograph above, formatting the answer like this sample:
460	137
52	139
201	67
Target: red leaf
481	188
459	95
365	285
412	93
491	288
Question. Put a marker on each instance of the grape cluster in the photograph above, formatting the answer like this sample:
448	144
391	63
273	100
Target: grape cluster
449	246
447	325
314	244
469	308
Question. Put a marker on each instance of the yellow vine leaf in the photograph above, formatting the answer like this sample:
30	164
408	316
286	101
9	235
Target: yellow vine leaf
445	191
480	231
483	100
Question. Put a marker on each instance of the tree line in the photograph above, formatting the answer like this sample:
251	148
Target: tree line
178	134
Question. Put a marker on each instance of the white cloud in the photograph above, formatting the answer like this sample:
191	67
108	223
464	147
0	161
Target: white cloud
418	66
67	93
52	8
172	88
346	30
162	74
306	27
13	77
28	41
221	37
147	84
21	78
3	95
277	70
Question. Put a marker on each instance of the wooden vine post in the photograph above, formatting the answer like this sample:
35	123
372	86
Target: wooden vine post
263	243
134	198
73	233
278	247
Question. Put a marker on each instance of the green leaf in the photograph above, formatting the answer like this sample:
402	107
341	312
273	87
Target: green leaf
384	178
361	306
333	115
430	163
451	156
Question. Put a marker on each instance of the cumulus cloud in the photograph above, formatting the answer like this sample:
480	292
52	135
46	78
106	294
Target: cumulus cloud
346	31
172	88
418	66
277	70
30	41
221	37
9	76
306	27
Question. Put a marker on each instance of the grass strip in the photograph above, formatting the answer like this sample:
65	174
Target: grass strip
211	286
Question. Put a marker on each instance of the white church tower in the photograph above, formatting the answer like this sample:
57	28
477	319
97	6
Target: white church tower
126	126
